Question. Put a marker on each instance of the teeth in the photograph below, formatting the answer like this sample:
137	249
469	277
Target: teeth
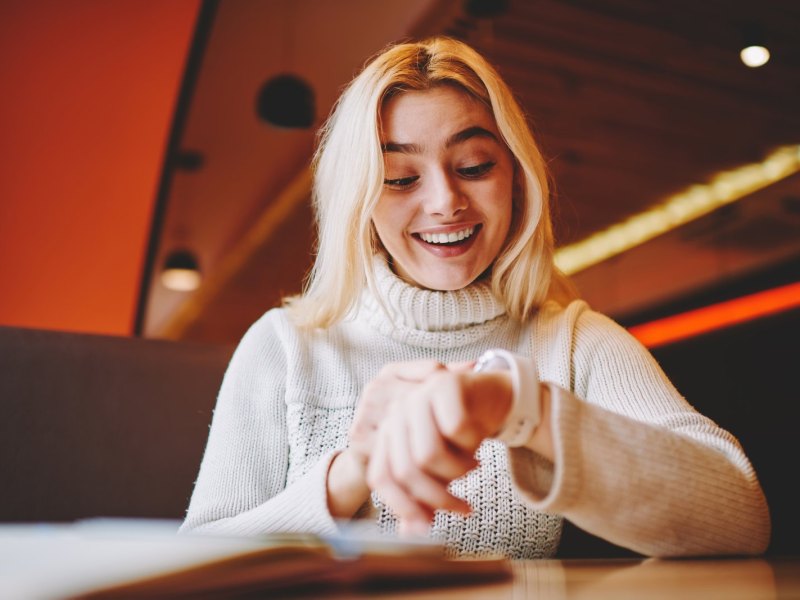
447	238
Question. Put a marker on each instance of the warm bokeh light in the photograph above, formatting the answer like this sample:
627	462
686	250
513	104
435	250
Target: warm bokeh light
717	316
180	280
754	56
687	205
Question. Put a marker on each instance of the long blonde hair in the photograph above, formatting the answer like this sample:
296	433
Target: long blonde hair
348	181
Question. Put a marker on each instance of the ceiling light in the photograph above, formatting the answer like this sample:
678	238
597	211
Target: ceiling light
754	51
754	56
687	205
286	101
181	272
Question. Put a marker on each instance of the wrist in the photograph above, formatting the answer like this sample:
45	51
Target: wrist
346	484
541	441
497	387
524	414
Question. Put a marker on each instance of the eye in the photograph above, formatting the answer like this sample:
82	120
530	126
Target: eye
477	171
402	183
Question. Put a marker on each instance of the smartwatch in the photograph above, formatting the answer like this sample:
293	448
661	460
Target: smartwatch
525	413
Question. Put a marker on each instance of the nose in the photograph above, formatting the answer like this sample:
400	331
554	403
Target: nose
444	197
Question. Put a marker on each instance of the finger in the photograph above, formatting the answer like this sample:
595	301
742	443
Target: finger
375	398
363	448
381	479
451	412
413	527
395	381
366	419
457	367
441	459
415	370
410	474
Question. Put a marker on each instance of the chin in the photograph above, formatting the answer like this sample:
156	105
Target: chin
447	283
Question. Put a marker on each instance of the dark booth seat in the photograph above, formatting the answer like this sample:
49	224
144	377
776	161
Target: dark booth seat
97	426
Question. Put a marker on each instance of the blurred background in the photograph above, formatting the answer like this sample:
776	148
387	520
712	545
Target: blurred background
143	136
155	177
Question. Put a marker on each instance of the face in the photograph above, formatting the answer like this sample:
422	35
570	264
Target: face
445	210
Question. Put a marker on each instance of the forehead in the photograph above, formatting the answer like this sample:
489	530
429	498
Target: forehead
430	115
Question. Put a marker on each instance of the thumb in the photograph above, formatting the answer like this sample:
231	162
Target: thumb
460	367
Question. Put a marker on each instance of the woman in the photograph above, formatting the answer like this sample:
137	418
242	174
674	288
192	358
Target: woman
363	398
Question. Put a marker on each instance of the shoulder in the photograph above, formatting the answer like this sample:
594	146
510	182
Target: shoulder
576	342
266	340
268	328
607	364
584	326
275	336
273	322
264	359
598	337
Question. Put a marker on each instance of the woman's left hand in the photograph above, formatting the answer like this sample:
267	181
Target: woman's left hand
347	487
429	438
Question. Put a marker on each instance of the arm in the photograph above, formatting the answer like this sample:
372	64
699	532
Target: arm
634	463
241	488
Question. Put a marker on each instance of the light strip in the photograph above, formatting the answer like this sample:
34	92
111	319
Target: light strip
709	318
687	205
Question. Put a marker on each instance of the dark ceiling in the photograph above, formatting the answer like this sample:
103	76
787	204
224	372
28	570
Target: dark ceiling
631	101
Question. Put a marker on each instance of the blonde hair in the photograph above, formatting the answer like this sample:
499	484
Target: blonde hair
348	181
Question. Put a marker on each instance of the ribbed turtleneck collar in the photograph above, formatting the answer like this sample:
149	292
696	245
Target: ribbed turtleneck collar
427	317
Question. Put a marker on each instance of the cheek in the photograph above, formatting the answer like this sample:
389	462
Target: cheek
499	204
379	213
386	221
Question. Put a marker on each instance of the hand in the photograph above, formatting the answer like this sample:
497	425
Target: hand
346	484
429	438
393	382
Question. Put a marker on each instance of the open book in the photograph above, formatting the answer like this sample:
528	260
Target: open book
136	559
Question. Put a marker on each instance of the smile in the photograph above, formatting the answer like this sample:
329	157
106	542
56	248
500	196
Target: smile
447	238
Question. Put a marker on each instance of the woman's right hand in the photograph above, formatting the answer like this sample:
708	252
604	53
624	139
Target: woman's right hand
347	485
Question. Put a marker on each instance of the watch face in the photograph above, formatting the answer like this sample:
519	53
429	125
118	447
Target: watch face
492	361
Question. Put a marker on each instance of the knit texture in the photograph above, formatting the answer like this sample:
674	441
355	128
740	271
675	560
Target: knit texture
635	463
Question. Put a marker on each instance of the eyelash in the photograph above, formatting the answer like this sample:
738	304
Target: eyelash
477	171
402	183
474	172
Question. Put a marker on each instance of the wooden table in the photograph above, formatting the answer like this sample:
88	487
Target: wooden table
623	579
52	561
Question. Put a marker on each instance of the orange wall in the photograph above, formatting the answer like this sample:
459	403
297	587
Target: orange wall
87	100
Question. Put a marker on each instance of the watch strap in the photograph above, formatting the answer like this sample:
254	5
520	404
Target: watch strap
525	413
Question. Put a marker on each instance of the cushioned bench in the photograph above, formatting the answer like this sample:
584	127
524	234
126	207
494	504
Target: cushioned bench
101	426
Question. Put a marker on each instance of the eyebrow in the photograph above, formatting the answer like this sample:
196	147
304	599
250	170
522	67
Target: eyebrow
456	138
470	132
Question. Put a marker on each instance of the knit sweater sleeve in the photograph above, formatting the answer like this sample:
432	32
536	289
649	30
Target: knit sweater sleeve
241	488
635	464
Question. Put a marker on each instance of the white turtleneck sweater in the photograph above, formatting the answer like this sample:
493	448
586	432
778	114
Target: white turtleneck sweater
634	462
